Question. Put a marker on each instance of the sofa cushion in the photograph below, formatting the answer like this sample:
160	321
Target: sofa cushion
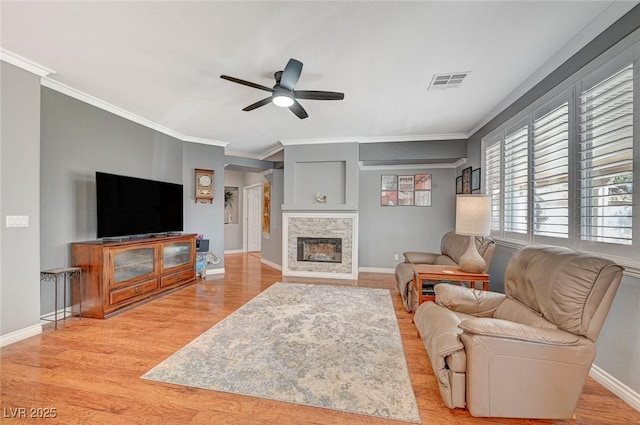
512	330
563	286
516	312
467	300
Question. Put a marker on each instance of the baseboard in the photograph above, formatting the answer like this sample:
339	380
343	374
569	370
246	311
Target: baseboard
271	264
377	270
215	271
233	251
20	334
625	393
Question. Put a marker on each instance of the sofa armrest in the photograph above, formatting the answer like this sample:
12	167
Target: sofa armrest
468	300
416	257
512	330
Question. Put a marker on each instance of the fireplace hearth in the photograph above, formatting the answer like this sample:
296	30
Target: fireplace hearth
320	244
320	250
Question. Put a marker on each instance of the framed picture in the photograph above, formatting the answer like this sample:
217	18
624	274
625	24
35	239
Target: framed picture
405	197
466	180
389	182
475	179
458	185
423	198
389	198
405	182
422	182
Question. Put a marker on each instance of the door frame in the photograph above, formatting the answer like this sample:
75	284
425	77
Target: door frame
245	215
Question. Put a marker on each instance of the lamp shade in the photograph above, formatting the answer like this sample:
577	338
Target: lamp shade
473	215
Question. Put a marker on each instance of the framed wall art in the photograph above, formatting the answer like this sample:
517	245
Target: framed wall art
458	185
466	180
422	182
475	179
423	198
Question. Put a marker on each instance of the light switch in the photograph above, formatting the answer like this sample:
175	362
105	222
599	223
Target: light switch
17	221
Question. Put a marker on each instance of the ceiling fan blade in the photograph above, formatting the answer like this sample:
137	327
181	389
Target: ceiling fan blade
257	104
246	83
297	109
291	74
318	95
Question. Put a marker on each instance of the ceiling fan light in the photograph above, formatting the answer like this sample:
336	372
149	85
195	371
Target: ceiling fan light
282	101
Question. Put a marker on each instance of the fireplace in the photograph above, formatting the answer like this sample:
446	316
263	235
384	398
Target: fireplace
320	244
321	250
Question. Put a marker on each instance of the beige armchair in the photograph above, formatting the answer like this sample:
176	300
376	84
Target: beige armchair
452	247
525	353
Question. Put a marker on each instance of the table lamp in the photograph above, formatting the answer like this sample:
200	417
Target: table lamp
473	218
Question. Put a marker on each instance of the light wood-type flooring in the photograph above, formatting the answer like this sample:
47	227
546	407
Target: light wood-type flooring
89	369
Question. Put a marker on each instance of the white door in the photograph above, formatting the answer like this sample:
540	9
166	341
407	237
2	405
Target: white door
254	218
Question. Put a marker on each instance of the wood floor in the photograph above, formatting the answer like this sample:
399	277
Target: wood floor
89	370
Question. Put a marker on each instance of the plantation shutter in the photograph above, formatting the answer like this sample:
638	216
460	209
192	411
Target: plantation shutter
515	181
551	173
606	159
492	182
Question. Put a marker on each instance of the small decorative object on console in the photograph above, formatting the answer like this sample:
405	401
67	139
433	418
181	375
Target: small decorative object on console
321	198
204	185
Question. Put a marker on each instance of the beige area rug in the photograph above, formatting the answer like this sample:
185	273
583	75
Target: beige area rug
327	346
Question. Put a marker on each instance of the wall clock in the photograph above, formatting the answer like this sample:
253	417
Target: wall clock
204	185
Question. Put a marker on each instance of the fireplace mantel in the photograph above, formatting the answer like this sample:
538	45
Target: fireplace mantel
323	224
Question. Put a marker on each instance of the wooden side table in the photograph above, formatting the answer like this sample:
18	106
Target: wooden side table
54	275
430	272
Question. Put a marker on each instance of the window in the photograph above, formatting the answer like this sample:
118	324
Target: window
606	160
493	182
550	163
561	172
516	175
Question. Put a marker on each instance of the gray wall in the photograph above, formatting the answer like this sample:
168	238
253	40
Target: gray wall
205	219
19	195
233	232
385	231
272	243
78	140
324	168
619	341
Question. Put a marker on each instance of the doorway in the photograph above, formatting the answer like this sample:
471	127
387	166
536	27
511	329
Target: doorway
252	217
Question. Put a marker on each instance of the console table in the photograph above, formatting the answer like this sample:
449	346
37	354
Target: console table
430	272
54	275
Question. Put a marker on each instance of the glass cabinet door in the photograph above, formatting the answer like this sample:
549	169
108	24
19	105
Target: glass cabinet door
132	263
176	254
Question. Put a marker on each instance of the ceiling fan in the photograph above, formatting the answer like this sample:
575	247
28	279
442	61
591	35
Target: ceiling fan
283	94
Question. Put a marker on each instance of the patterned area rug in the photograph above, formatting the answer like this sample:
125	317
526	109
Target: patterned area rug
327	346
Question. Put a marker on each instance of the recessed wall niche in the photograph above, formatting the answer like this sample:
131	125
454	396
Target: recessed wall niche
320	177
230	205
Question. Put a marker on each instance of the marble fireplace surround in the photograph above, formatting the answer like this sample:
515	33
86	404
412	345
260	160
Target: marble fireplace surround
320	225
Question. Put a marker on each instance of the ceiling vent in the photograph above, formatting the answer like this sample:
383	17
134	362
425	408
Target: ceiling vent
447	81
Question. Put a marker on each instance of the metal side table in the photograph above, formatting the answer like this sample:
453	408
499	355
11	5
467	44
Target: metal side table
54	275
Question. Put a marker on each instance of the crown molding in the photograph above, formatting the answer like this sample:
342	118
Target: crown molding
24	63
413	138
608	17
293	142
106	106
202	141
277	148
391	167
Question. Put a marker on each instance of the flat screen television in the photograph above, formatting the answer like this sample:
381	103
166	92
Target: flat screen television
130	206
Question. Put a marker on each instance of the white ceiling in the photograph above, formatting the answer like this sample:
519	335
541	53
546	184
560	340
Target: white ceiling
161	61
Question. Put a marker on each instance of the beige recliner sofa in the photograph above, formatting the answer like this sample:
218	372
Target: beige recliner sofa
452	247
525	353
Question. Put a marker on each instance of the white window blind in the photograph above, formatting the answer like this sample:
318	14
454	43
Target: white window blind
550	180
492	182
606	159
516	177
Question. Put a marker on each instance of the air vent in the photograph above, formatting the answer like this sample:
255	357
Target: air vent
447	81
